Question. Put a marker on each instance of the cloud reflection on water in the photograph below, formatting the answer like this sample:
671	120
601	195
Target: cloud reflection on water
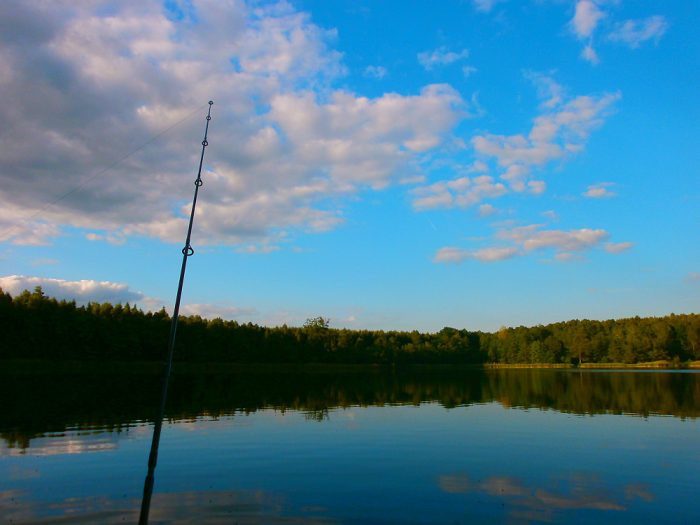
251	507
532	503
68	446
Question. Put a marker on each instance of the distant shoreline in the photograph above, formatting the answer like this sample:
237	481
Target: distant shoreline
667	365
47	366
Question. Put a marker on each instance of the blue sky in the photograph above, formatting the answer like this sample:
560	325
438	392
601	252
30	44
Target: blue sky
390	165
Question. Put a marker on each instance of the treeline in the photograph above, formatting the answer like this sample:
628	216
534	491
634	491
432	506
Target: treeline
34	326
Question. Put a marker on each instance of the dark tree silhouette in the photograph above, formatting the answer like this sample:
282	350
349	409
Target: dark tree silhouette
34	326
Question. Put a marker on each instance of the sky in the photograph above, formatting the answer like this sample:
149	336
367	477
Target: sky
391	165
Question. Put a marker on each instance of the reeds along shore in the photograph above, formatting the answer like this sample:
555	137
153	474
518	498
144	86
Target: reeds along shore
663	364
35	326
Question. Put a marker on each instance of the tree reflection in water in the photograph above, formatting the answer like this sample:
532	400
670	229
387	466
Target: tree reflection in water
45	403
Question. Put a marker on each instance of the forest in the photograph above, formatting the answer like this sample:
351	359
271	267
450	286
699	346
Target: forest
35	326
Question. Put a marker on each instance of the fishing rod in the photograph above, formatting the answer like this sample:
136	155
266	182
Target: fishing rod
187	252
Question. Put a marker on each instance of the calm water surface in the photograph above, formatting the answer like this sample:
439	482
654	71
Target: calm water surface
502	446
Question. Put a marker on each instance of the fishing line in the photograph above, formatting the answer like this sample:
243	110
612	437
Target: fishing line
116	163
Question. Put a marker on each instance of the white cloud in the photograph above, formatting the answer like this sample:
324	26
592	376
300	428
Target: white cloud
558	132
531	238
92	84
478	167
536	187
568	257
115	239
599	191
341	132
258	248
494	253
549	91
485	6
634	33
586	17
44	262
86	290
486	210
618	247
82	291
468	71
375	71
567	244
277	41
457	255
450	254
31	231
462	192
212	311
412	179
589	54
441	57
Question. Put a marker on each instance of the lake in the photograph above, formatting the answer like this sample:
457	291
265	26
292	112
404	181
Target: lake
355	445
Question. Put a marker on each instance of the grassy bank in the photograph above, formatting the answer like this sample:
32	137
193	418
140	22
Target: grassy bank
527	365
664	364
661	364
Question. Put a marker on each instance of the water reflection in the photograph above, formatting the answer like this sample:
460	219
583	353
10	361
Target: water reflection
43	404
60	444
181	508
532	503
396	463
